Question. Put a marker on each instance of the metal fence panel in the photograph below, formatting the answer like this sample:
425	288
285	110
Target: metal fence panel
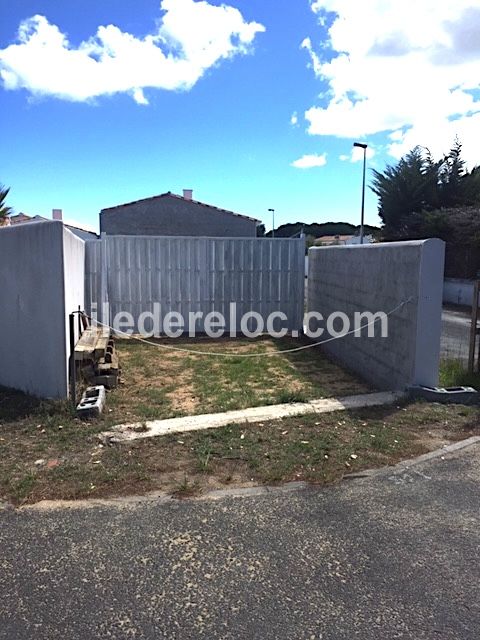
191	275
93	272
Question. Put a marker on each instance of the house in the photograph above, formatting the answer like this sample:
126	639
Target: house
172	215
328	241
57	214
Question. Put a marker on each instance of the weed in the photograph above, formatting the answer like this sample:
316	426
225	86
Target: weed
454	374
204	453
287	396
141	428
186	489
22	486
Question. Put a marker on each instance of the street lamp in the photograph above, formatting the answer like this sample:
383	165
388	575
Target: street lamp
272	211
364	147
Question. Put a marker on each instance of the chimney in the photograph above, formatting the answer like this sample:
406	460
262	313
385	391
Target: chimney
187	194
57	214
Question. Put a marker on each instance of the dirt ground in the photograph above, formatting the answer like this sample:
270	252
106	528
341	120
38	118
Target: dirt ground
48	453
43	458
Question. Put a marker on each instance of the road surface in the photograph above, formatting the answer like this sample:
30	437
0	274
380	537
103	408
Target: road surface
394	556
455	333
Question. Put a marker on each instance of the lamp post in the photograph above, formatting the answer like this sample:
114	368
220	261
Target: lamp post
363	146
272	211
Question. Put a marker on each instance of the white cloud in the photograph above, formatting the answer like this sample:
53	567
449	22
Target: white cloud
294	119
309	161
316	62
191	37
408	69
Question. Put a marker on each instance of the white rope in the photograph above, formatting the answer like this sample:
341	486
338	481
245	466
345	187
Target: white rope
251	355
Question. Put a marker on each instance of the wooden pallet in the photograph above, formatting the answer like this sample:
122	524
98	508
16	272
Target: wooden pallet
92	344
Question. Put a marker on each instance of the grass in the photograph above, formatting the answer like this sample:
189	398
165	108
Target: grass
155	384
47	453
40	460
161	384
454	374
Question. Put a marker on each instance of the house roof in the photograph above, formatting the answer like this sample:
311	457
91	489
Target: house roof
332	239
169	194
23	218
20	218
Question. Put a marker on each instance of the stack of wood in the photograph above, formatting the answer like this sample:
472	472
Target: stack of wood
95	353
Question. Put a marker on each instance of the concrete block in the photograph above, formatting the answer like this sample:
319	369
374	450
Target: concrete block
92	403
459	395
109	381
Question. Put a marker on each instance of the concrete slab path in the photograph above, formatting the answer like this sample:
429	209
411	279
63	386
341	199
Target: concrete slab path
140	430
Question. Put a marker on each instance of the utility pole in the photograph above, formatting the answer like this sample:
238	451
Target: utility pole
272	211
363	146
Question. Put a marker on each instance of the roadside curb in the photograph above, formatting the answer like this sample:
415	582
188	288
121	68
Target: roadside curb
407	464
161	497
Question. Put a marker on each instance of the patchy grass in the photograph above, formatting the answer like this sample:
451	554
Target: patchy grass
159	383
47	453
454	374
316	448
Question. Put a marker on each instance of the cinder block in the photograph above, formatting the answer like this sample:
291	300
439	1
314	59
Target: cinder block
92	403
459	395
109	381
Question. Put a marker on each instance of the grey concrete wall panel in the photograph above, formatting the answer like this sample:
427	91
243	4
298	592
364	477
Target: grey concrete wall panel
41	277
458	291
73	280
171	216
376	278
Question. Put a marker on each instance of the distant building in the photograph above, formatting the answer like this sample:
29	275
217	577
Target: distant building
367	239
173	215
57	214
328	241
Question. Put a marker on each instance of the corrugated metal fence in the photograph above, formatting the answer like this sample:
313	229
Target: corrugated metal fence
191	275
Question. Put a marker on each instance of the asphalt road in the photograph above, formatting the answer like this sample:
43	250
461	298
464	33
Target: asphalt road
455	334
395	556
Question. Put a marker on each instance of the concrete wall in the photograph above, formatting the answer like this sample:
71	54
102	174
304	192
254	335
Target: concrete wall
86	236
73	282
379	277
457	291
41	279
174	216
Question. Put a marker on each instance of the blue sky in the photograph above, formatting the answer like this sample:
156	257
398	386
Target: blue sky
241	98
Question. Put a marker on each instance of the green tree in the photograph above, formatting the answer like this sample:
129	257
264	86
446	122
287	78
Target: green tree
414	193
405	190
4	209
451	173
260	230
